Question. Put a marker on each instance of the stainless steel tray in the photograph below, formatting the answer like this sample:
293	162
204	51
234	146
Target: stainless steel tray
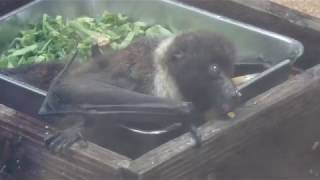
255	44
252	41
7	6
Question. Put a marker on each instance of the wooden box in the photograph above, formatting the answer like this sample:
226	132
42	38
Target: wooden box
177	159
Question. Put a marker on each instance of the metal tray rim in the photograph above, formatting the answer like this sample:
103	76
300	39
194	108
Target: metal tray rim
20	9
294	45
293	42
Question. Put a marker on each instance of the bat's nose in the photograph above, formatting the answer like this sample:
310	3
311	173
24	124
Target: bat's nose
230	101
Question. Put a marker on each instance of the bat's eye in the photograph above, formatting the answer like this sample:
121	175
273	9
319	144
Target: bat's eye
214	70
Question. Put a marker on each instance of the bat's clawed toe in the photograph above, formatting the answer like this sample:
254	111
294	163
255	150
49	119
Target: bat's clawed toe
195	135
187	107
61	142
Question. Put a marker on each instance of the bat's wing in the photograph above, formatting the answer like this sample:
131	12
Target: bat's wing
90	94
94	98
98	101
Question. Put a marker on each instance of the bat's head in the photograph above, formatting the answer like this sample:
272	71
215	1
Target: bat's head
202	63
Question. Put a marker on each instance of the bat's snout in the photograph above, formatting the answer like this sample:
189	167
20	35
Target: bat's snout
225	95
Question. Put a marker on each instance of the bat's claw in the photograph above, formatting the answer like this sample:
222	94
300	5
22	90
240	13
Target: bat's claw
13	158
195	135
60	142
187	107
3	166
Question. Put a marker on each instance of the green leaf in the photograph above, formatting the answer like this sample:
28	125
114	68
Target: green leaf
54	38
157	30
24	50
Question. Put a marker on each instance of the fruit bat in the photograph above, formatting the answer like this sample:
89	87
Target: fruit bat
161	83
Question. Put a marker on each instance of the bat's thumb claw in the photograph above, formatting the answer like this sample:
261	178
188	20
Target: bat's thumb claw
83	143
187	107
195	135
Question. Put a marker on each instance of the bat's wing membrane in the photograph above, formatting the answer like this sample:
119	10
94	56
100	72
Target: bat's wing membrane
93	97
98	98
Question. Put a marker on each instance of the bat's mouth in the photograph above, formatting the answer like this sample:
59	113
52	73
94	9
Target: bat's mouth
225	98
226	108
229	106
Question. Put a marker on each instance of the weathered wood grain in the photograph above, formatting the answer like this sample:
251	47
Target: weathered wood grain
178	158
91	163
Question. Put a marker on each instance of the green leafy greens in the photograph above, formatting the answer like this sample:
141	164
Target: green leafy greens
55	37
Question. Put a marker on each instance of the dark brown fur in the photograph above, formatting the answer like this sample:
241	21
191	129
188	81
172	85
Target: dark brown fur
132	68
188	60
191	55
39	75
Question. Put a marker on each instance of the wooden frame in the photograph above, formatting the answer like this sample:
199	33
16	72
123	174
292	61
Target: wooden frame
178	158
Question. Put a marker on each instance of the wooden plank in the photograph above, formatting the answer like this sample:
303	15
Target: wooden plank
289	151
274	9
93	162
177	158
274	17
310	7
221	139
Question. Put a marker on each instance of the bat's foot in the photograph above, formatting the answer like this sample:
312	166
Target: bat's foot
195	135
187	108
60	142
3	167
12	157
